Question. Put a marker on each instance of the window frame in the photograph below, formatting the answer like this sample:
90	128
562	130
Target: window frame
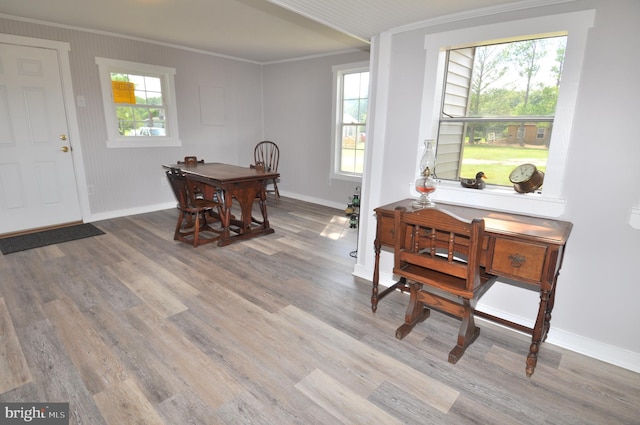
458	115
576	25
336	128
167	75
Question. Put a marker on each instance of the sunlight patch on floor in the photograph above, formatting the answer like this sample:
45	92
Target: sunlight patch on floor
337	228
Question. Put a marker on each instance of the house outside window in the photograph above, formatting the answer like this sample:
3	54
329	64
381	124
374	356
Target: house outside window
139	103
351	103
540	133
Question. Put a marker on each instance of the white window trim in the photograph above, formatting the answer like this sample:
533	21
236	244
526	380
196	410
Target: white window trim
550	201
114	140
336	112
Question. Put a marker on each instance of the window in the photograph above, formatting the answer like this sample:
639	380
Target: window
498	101
351	88
139	103
540	134
499	124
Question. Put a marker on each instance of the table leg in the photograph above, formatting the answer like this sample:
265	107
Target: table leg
536	339
543	321
246	195
547	314
225	217
263	207
376	278
402	284
552	299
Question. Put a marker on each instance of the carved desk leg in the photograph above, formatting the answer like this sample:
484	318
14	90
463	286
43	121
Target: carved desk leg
547	300
547	314
376	277
532	358
552	296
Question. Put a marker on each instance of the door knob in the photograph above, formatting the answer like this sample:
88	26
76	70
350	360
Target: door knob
63	137
64	149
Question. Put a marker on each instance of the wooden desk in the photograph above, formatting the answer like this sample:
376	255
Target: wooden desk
518	247
229	182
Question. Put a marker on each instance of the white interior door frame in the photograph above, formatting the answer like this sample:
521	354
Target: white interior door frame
63	49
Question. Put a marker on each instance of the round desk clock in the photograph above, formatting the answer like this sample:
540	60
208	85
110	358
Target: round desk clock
526	178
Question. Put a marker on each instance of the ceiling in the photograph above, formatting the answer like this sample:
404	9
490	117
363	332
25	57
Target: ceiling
254	30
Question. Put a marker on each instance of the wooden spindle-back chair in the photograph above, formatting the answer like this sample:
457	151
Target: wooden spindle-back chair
439	256
268	153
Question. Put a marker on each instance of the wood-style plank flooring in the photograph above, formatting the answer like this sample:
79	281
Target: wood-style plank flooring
132	327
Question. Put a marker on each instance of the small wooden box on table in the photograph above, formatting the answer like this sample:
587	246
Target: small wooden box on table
518	247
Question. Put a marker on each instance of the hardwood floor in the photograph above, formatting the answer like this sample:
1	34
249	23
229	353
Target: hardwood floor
132	327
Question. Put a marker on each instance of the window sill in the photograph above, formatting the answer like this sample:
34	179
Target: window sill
144	142
346	177
498	198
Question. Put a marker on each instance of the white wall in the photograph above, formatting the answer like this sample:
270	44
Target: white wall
127	181
289	103
297	116
596	309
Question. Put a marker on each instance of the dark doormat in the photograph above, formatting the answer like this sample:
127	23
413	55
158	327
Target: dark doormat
48	237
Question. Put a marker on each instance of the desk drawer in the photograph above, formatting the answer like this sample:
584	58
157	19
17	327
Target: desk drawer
518	259
386	231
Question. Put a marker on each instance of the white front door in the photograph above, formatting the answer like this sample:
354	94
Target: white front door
37	178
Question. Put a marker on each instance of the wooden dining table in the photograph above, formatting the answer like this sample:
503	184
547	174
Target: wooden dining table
226	182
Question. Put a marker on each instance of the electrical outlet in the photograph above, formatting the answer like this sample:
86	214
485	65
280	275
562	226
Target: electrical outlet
163	181
90	189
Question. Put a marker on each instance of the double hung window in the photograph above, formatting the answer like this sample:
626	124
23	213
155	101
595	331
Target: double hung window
351	102
139	103
498	107
500	95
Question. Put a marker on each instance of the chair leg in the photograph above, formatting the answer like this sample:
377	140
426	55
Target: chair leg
468	333
416	312
276	192
202	225
177	235
196	230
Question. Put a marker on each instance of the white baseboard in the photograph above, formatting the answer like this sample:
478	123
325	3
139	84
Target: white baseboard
167	205
313	200
595	349
129	211
617	356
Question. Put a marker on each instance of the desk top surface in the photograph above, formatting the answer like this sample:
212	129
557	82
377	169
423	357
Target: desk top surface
225	173
547	229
